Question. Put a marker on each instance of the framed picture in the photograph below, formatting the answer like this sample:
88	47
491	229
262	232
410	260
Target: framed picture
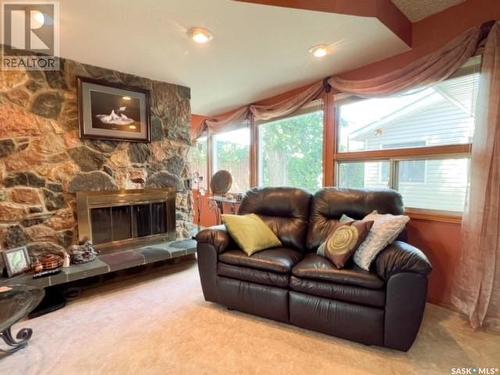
113	111
16	260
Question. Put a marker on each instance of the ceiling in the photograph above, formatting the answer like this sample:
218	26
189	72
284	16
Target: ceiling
417	10
257	51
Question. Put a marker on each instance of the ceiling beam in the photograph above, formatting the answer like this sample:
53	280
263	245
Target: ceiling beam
384	10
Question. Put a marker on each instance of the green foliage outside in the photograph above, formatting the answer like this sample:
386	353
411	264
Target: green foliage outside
291	152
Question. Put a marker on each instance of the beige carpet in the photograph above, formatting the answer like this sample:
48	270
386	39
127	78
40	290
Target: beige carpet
159	324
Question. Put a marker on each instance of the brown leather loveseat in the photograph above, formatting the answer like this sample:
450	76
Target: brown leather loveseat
295	285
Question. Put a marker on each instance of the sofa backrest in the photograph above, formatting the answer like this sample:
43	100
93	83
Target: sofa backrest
329	204
285	210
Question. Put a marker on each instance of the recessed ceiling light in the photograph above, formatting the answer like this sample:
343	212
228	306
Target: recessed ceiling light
320	50
200	35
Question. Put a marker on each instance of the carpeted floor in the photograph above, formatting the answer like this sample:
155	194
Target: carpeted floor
159	324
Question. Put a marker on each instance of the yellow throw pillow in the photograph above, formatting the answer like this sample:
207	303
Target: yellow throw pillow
250	233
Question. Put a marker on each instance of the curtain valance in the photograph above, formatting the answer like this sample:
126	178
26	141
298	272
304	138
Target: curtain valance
425	71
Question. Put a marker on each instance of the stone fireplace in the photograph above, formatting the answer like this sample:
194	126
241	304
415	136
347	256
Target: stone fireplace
118	220
44	163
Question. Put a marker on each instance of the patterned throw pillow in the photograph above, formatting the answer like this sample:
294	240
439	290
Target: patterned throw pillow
344	219
343	241
386	228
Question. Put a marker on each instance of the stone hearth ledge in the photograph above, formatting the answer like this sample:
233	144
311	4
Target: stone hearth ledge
110	262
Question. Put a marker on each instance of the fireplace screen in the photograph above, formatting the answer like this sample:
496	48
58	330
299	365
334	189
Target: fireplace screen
126	217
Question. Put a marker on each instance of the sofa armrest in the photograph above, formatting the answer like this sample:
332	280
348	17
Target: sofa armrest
404	269
217	236
401	257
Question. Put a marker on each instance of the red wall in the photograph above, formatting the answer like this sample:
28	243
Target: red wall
439	240
441	243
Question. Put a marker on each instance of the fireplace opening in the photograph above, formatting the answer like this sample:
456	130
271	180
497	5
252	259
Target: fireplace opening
114	220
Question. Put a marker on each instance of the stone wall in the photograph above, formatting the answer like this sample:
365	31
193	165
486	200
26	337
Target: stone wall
43	162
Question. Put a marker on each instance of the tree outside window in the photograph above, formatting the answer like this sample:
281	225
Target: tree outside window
291	152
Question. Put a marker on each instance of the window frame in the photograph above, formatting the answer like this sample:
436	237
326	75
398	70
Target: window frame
394	148
394	156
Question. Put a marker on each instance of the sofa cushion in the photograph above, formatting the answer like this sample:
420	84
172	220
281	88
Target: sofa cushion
316	267
329	204
280	280
285	210
279	260
340	292
347	320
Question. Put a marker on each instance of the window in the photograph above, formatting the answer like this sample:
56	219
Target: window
291	151
445	187
417	143
411	171
439	115
363	175
231	152
199	163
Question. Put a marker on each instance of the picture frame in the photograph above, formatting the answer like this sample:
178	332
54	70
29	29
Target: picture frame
16	260
113	111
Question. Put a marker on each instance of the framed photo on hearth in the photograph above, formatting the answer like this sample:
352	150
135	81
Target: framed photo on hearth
16	260
113	111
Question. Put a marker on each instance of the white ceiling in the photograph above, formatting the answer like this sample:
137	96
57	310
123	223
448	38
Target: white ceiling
257	51
416	10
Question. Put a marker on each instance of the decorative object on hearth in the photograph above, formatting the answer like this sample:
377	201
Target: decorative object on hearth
113	111
82	253
67	260
51	262
37	266
221	182
16	260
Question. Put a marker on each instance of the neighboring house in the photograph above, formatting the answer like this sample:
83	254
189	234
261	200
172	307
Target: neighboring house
438	116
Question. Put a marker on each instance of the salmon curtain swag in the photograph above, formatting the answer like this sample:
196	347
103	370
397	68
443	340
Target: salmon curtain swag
423	72
263	112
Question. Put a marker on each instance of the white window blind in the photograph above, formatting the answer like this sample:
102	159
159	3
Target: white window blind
440	115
